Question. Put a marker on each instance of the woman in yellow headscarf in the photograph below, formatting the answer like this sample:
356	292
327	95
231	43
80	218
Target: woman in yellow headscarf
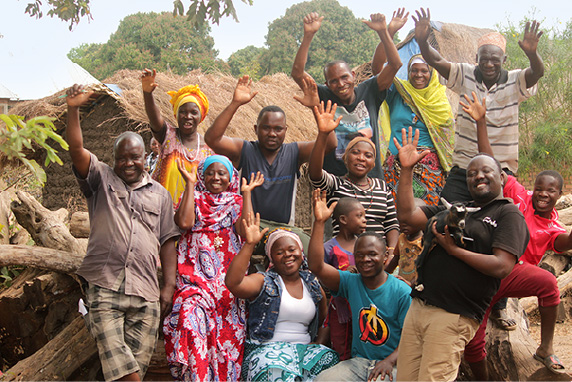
190	106
422	104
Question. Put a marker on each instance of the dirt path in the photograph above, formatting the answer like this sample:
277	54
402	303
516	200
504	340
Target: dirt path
562	341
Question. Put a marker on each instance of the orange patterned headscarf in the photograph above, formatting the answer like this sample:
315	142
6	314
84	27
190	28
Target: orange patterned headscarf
189	93
493	38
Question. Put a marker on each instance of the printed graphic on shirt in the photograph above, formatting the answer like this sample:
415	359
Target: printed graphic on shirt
356	123
372	327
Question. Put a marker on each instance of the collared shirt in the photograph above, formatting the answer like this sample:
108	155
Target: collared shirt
128	226
503	100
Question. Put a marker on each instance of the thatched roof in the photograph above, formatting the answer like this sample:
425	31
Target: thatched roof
277	89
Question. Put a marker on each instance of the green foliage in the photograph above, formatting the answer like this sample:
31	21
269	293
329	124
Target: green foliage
545	124
246	61
17	135
341	37
152	40
68	10
198	13
8	274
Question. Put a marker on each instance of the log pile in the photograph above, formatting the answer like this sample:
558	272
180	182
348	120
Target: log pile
43	337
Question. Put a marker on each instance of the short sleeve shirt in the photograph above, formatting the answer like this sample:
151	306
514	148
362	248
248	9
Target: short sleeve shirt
377	315
503	100
543	232
358	119
128	227
450	283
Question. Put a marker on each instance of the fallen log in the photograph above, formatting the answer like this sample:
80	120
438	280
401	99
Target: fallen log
58	359
40	257
45	226
79	224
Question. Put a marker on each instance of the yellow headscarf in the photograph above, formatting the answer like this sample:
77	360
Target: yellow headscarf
432	107
189	93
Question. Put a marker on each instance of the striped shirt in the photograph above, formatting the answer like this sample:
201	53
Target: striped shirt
503	100
377	201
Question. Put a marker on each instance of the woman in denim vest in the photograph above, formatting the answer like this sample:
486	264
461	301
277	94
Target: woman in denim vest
286	308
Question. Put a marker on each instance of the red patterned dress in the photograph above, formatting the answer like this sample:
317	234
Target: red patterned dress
204	334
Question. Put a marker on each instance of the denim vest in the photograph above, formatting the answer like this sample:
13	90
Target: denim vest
263	311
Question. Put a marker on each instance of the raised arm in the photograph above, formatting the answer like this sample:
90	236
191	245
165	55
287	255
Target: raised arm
422	31
241	286
397	22
328	275
185	215
246	188
214	136
529	44
325	118
478	112
312	23
76	97
385	77
407	211
156	120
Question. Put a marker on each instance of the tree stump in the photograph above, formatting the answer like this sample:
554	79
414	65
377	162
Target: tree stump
79	224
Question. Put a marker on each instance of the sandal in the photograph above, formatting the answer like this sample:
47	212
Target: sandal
502	320
552	363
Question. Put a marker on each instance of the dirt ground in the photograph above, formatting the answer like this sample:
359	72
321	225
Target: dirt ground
562	341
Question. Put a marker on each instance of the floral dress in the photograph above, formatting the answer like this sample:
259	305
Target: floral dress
204	333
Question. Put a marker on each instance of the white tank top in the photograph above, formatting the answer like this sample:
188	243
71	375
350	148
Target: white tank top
294	317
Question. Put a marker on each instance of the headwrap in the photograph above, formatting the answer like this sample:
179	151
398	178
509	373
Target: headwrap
417	59
214	212
431	105
493	38
220	159
354	142
189	93
278	234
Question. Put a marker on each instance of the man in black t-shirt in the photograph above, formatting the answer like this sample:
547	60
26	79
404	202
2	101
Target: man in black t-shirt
455	285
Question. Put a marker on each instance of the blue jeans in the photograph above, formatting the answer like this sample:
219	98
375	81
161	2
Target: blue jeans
353	369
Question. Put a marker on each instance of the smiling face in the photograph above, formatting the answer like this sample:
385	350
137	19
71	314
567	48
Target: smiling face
484	179
341	81
129	159
546	193
286	256
370	255
188	118
217	178
419	75
360	159
490	59
271	130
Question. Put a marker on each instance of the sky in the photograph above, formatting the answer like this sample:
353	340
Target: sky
33	61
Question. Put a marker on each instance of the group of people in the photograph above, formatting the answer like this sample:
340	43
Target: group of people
386	151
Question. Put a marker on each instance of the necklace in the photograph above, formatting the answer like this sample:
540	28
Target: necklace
355	185
187	151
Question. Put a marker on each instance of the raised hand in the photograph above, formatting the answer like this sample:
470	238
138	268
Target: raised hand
408	154
376	22
473	107
255	181
321	210
251	227
312	23
530	38
422	24
188	176
397	21
325	117
148	80
77	95
310	90
243	93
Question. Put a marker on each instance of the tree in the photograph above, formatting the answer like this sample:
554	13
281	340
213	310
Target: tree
198	12
154	40
246	61
341	37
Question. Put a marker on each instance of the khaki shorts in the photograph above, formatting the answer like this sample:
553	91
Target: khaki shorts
125	329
